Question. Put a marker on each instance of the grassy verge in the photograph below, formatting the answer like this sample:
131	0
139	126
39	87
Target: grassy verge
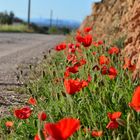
14	28
97	97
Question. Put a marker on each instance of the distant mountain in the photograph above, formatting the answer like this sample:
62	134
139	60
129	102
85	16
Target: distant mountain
57	22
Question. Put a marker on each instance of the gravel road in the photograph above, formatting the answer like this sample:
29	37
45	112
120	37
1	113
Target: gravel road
17	49
20	49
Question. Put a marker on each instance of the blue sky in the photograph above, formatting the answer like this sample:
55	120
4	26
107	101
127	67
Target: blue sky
62	9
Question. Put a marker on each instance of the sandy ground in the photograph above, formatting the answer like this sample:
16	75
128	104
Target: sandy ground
15	50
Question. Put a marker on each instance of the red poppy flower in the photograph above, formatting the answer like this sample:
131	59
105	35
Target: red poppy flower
23	113
113	50
71	45
9	124
103	60
36	137
79	38
60	47
112	72
66	74
94	53
84	83
114	115
42	116
95	44
73	69
89	78
128	65
72	86
113	124
71	57
32	101
72	48
74	61
87	40
63	129
135	103
80	63
87	29
50	138
77	45
97	133
104	70
100	42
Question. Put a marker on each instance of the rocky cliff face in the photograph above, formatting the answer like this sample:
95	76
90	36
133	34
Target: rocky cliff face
132	44
107	16
118	18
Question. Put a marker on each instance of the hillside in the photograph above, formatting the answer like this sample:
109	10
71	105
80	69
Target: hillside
56	22
116	19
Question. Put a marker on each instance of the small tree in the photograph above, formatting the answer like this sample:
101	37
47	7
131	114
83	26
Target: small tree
6	18
11	18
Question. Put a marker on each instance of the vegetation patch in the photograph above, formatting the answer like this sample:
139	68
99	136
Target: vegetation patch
84	91
15	28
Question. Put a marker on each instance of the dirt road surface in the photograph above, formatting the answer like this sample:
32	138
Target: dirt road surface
20	49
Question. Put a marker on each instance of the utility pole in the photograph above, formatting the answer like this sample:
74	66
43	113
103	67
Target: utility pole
57	22
29	12
51	18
